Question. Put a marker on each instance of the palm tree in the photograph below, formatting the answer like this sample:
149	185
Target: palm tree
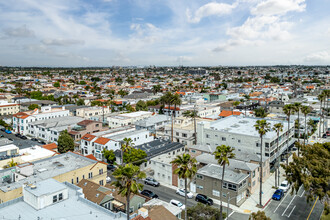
11	163
288	110
277	128
222	154
297	108
126	182
235	104
186	169
175	100
126	145
320	97
192	114
262	127
305	110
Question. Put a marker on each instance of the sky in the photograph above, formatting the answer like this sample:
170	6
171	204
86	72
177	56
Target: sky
79	33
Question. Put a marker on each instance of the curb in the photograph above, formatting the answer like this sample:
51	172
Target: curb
266	203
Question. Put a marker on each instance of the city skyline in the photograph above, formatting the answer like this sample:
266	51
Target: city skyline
164	33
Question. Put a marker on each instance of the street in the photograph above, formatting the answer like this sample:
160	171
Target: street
294	207
20	143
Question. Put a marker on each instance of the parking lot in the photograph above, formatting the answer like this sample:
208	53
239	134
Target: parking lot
20	143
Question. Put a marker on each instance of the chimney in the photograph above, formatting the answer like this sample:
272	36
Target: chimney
143	212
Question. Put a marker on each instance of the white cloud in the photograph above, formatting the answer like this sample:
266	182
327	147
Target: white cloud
62	42
278	7
209	9
321	57
22	31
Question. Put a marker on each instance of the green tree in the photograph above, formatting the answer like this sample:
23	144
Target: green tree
262	127
222	154
33	106
297	107
202	212
135	156
260	215
57	84
65	142
192	114
141	106
235	104
288	110
11	163
109	155
260	112
278	127
80	102
312	171
36	95
175	101
122	92
321	98
305	110
156	88
126	182
186	169
82	82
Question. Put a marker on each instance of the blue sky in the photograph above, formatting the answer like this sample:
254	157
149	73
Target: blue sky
164	32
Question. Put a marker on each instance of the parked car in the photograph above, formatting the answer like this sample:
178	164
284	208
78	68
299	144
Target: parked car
203	199
18	135
285	185
41	142
10	139
151	181
111	167
181	192
8	131
178	204
23	137
108	179
34	139
324	136
278	194
3	129
149	194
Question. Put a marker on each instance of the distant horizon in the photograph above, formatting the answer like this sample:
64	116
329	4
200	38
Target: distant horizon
101	33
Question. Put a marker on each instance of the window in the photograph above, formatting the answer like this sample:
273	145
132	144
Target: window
224	185
60	197
199	187
177	133
101	182
77	179
54	198
239	141
223	139
257	144
215	193
199	176
207	136
224	195
83	176
254	173
90	175
72	181
184	135
100	171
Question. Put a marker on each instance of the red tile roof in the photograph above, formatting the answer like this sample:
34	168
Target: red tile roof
51	146
225	113
102	140
88	137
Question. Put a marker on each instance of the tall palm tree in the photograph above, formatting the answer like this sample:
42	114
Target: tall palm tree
175	101
320	97
186	169
126	145
297	108
262	126
192	114
126	182
222	154
288	110
305	110
278	127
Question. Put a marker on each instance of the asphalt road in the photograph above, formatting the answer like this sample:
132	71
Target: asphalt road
20	143
294	207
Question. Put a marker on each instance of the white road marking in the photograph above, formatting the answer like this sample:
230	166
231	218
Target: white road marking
280	202
291	211
302	194
289	205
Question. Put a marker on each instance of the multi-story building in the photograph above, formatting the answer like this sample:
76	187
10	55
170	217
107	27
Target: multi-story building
70	167
208	182
90	112
96	142
8	108
21	120
85	127
127	118
49	130
153	124
239	132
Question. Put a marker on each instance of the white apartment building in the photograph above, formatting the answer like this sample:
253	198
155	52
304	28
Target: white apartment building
96	142
239	132
90	112
21	120
49	130
7	108
127	118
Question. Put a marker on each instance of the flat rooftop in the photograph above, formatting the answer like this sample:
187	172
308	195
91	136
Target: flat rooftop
245	126
58	122
74	208
46	168
136	114
157	147
118	137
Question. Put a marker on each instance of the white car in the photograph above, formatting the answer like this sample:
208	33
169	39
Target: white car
178	204
108	179
181	192
285	185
